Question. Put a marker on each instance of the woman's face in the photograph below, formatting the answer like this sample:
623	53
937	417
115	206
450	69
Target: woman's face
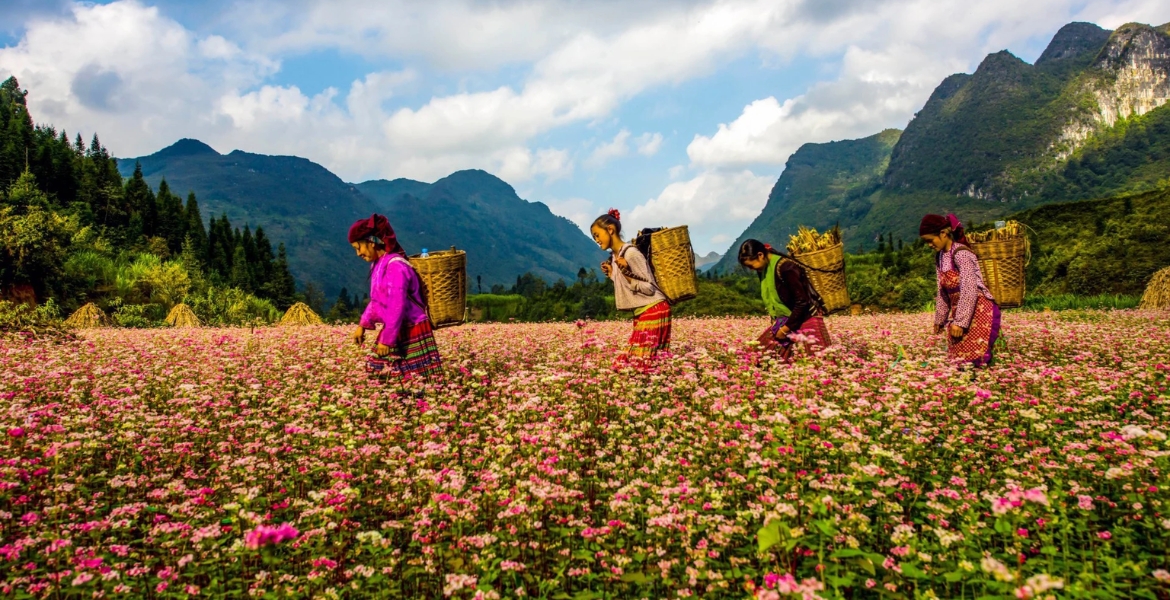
603	236
366	250
936	241
758	262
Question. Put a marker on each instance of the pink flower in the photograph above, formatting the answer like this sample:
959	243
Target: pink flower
16	432
1105	535
264	535
1085	502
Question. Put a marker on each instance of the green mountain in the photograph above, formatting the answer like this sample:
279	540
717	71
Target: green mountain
1088	119
822	185
299	203
309	209
504	235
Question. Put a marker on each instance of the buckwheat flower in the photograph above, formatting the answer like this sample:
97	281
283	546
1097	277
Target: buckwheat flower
1162	575
1105	535
264	535
16	432
1086	503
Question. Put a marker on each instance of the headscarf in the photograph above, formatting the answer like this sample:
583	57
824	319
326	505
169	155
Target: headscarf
934	224
375	229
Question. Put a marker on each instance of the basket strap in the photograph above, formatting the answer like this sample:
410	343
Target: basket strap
811	268
630	274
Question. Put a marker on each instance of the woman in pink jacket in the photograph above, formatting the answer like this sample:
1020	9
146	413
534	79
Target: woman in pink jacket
406	345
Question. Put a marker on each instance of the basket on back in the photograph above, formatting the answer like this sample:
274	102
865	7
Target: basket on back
443	275
1003	255
825	254
672	259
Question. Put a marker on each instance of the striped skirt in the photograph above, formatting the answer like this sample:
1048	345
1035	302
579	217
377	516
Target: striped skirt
417	356
813	328
651	331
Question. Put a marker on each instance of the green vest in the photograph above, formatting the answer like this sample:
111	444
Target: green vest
768	291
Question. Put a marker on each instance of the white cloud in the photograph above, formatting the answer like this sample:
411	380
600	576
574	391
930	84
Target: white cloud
615	148
711	203
649	143
580	211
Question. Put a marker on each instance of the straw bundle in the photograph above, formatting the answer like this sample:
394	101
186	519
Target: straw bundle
299	315
182	316
1010	229
88	317
1158	291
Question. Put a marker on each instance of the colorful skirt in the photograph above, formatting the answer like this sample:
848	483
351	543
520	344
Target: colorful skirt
813	327
977	345
417	356
651	331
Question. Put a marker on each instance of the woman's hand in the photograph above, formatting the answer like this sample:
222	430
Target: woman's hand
956	331
607	269
359	336
621	262
381	349
782	333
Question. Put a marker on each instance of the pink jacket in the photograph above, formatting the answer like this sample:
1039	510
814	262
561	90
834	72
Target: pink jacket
395	299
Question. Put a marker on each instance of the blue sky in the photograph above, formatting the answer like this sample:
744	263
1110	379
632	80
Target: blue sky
674	111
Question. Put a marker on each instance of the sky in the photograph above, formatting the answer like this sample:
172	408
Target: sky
673	111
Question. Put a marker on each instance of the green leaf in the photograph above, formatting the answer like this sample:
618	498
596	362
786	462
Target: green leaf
912	571
1003	526
953	576
635	577
866	565
768	536
847	553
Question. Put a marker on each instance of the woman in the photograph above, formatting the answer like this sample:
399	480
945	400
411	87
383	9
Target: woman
406	347
964	307
634	287
788	297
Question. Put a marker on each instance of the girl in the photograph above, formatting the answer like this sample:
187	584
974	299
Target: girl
634	287
964	307
406	346
788	297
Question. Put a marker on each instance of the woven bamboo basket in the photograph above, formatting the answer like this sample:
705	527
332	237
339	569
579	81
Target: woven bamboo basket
673	260
1002	263
831	285
444	284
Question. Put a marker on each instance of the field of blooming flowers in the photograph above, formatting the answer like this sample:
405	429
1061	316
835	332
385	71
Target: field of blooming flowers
232	463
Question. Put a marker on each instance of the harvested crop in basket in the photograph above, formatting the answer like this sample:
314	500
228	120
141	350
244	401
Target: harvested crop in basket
299	314
808	240
1010	229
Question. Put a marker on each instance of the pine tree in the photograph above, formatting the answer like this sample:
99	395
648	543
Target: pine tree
140	200
171	220
264	258
241	276
281	287
194	227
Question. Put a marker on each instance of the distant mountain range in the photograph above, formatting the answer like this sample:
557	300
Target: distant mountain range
1088	120
309	209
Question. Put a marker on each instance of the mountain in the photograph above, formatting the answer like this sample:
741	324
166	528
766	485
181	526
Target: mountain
822	185
703	263
296	201
1088	119
504	236
309	209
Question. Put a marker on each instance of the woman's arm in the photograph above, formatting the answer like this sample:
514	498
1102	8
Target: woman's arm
372	315
641	269
968	265
395	288
792	289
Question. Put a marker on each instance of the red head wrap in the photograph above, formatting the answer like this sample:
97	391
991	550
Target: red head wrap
934	224
377	229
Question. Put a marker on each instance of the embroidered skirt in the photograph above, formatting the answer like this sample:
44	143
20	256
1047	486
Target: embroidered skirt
813	327
417	356
651	331
977	345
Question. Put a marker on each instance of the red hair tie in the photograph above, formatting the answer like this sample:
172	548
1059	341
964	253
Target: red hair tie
613	212
767	246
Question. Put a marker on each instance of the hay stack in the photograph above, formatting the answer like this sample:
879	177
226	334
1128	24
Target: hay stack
299	315
88	317
182	316
1158	291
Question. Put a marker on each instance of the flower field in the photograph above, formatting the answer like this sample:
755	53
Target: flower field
233	463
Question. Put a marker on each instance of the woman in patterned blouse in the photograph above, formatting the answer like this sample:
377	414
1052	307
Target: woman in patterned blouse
964	308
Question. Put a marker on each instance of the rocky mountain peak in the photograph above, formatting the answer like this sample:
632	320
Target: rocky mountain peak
1073	41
